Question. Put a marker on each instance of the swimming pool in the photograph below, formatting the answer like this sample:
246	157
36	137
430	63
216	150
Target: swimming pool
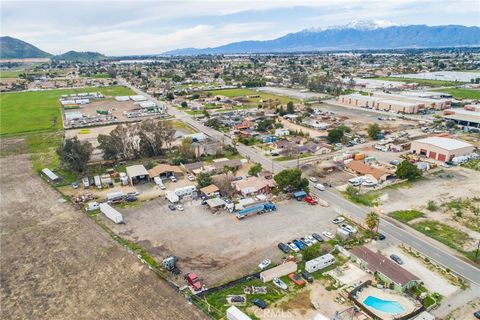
385	306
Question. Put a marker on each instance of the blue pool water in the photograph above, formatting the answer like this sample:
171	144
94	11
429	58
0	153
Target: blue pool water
385	306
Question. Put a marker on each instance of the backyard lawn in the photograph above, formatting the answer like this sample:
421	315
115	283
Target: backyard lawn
39	111
406	215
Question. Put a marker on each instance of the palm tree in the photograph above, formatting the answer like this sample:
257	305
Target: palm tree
372	220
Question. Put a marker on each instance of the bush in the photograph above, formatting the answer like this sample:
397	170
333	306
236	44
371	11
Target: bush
432	205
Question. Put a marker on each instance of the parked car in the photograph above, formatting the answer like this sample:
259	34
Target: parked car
75	185
296	279
477	314
285	248
307	276
130	198
172	207
293	247
180	207
310	200
173	179
264	264
348	228
338	220
328	234
380	236
307	242
317	237
311	239
191	177
299	244
319	186
260	303
396	258
193	281
313	179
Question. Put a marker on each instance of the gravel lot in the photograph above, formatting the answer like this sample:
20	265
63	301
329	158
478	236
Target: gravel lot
56	263
219	247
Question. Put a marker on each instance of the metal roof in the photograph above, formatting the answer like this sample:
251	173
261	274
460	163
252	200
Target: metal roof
445	143
136	170
52	176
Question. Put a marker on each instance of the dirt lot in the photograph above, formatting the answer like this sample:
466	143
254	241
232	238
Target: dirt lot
219	247
56	263
461	183
115	107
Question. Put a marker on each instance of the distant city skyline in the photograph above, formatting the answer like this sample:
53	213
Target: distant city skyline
152	27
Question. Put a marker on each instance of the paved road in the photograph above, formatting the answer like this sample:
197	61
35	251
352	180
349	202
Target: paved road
402	234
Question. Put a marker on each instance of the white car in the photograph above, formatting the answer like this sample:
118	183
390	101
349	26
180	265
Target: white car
313	179
328	234
369	183
319	186
264	264
179	207
311	239
173	179
348	228
338	220
307	241
191	177
293	247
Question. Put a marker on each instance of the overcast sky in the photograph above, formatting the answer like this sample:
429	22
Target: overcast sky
150	27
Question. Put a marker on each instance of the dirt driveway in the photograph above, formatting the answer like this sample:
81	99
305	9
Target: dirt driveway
219	247
56	263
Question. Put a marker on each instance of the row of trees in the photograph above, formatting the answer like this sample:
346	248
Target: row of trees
148	138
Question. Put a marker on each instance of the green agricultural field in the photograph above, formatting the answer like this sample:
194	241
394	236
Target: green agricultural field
10	74
236	93
462	93
39	111
423	82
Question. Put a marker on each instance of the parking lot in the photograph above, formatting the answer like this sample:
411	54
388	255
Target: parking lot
218	247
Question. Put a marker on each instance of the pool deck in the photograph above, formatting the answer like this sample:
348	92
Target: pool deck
386	294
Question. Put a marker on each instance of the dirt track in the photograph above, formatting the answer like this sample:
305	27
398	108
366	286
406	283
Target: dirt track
58	264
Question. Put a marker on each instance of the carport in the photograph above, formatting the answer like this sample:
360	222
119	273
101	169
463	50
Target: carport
137	174
215	203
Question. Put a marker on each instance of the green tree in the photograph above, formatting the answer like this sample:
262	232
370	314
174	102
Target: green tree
311	253
204	179
335	135
290	108
184	104
406	170
255	169
373	131
289	180
75	154
372	220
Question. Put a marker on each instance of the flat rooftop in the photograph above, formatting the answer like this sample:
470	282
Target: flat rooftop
445	143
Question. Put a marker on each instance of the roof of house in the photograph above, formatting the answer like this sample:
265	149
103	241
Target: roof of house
136	170
162	168
254	183
445	143
193	166
362	168
379	263
209	189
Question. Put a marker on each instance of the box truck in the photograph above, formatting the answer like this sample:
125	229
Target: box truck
171	196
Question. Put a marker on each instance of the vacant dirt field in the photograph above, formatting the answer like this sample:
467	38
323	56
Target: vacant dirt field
56	263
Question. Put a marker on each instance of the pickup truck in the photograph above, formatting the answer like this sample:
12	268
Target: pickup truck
310	200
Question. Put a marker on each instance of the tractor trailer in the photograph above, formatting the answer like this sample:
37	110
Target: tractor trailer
257	208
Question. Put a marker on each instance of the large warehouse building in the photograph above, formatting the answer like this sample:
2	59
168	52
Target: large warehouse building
462	117
441	149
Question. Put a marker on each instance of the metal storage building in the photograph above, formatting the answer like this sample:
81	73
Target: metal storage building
441	149
50	175
111	213
137	173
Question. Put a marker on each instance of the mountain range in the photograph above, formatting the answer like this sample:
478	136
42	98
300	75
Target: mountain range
12	48
357	35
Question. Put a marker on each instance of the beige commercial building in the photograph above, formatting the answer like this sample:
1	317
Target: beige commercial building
463	117
372	102
441	149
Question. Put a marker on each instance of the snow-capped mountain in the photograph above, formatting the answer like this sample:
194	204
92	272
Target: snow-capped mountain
359	34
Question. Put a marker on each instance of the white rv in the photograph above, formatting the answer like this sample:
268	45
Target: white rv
320	263
171	196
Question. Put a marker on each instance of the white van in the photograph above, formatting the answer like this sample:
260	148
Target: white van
158	181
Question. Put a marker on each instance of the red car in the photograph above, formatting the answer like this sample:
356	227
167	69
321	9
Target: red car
310	200
296	279
193	281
